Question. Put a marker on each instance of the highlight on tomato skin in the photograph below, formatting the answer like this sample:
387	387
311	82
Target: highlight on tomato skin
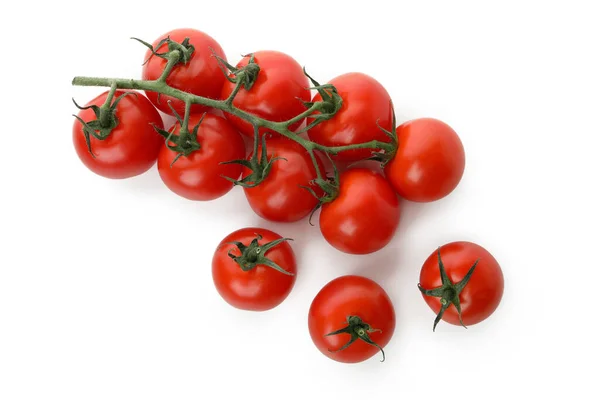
473	279
351	319
430	160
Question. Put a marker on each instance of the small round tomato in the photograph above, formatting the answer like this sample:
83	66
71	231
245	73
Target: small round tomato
364	216
429	162
254	269
276	95
132	146
281	197
199	175
461	274
365	103
351	319
201	75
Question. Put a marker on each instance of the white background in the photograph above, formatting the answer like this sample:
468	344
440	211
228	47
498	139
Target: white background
96	304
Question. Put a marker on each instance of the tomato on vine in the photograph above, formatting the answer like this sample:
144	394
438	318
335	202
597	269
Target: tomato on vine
366	111
281	196
254	269
200	175
429	162
351	319
364	215
276	95
117	139
462	283
196	71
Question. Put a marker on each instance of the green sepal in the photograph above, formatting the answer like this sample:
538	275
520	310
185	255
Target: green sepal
448	292
186	49
357	329
255	254
106	121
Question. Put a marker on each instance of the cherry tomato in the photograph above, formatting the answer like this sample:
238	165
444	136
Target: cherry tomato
482	292
430	160
201	75
336	308
280	197
364	216
132	146
261	287
277	93
365	102
199	176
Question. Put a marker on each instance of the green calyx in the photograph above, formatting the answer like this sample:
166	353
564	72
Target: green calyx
244	76
255	254
186	142
449	292
329	105
259	166
106	118
357	329
329	185
388	153
177	52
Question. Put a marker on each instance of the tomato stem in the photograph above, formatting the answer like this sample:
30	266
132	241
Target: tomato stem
244	77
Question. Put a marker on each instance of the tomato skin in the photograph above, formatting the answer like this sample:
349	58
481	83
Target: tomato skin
364	216
131	148
350	295
280	197
482	294
262	288
276	95
199	175
429	163
201	76
364	103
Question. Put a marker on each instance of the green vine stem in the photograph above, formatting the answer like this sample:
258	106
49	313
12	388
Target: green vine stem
322	110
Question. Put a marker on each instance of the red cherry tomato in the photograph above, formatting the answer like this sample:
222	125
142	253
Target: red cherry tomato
429	163
201	75
364	216
261	288
365	102
335	305
132	146
280	197
277	93
483	291
199	176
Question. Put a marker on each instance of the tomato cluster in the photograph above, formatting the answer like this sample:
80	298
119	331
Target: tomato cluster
300	162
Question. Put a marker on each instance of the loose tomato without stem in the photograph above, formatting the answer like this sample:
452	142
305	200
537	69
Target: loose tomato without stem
365	214
200	75
132	146
277	94
351	319
430	160
200	175
462	283
365	104
254	269
281	196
